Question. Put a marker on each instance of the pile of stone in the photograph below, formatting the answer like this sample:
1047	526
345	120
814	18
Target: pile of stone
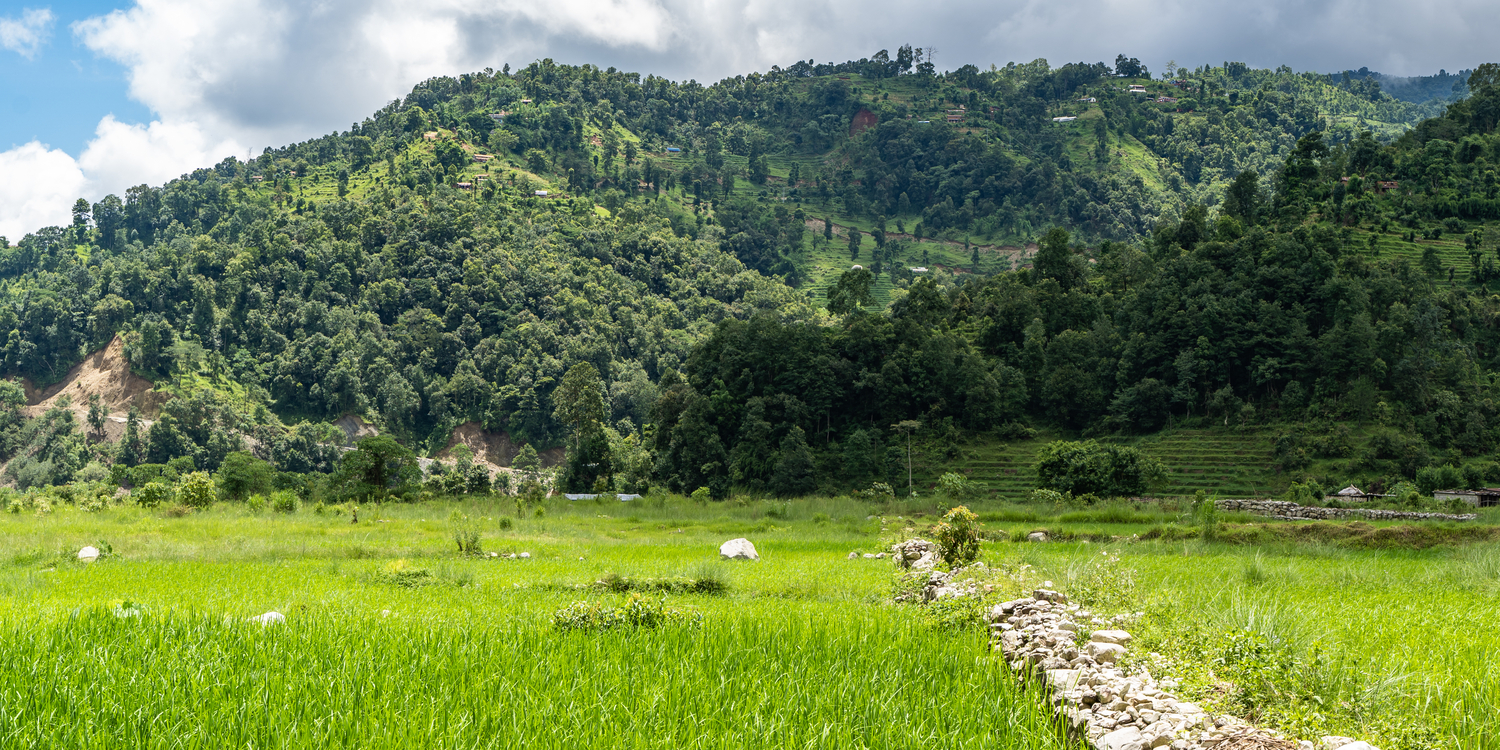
916	554
1285	511
1045	636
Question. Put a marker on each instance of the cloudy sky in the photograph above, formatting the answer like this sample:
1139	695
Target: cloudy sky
96	96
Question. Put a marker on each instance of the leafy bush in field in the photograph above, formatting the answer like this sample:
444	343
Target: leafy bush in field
196	490
465	534
1088	467
958	536
701	495
637	612
284	501
151	494
955	486
405	575
703	582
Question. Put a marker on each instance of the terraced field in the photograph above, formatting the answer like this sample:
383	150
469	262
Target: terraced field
1229	463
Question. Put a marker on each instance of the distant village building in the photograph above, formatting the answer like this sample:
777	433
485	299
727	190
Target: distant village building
1137	88
1351	494
1089	99
430	135
673	150
1489	497
1386	185
918	269
1064	119
482	158
465	185
542	193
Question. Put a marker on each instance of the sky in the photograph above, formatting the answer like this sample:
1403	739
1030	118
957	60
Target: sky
97	96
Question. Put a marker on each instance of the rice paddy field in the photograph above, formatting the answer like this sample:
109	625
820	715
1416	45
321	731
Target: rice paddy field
392	639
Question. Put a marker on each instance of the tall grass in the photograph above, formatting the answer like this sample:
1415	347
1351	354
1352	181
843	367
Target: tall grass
772	677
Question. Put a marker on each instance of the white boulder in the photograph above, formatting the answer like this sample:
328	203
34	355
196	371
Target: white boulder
1037	536
88	554
1111	636
527	556
269	618
1128	738
738	549
1106	653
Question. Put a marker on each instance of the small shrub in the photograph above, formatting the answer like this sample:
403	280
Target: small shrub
178	511
701	495
955	486
1206	515
637	612
405	575
256	503
466	534
878	491
820	518
1043	496
779	511
284	501
505	523
958	536
151	494
16	505
197	490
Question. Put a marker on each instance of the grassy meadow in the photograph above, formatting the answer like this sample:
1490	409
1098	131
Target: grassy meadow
392	639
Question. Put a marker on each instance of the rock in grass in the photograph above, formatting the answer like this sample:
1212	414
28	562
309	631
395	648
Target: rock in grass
1037	536
738	549
853	555
526	556
1128	738
269	618
1105	653
1111	636
88	554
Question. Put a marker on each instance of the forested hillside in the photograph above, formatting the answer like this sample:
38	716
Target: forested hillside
453	257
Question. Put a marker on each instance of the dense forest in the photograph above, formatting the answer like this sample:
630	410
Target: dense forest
585	257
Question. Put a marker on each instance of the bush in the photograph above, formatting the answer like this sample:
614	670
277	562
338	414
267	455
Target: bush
958	536
637	612
955	486
701	495
151	494
284	501
196	490
878	491
1088	467
466	534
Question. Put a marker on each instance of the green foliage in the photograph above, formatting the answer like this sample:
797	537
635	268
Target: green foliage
956	487
1088	467
196	490
242	474
637	613
152	494
957	536
465	534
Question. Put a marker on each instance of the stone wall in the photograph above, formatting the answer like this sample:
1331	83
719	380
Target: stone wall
1286	511
1076	655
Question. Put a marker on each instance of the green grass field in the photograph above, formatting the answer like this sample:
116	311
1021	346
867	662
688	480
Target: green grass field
801	651
392	639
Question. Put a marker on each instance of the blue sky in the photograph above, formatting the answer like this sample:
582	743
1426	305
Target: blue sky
98	96
59	96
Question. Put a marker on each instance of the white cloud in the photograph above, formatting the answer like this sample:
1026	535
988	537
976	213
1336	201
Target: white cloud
25	35
38	189
220	77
